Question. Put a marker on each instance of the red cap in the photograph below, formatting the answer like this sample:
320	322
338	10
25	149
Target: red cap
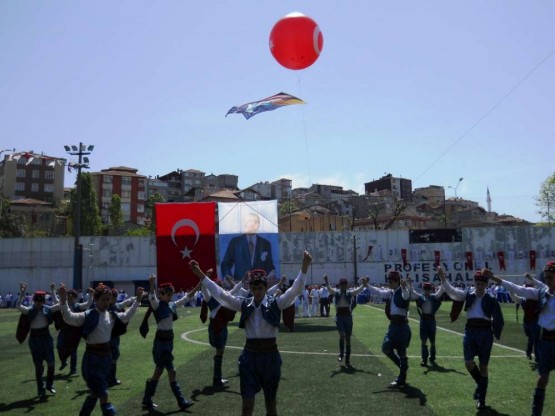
550	267
257	275
39	295
427	286
343	281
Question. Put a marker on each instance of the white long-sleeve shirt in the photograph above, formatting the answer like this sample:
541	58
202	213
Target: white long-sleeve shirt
103	332
388	294
40	320
342	302
475	311
256	326
427	306
166	324
546	319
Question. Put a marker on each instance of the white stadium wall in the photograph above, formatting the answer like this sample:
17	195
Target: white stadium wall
41	261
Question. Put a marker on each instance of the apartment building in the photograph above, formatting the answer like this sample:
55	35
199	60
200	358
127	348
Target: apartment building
28	175
129	185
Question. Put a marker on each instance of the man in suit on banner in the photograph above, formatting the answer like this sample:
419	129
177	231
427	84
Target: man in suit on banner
248	251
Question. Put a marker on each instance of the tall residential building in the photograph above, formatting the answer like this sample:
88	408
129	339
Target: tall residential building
129	185
26	175
400	188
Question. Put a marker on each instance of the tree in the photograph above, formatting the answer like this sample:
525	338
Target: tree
150	212
398	208
546	199
11	225
91	223
116	215
288	207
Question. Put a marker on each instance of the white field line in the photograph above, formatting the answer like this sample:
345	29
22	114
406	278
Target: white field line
185	337
459	334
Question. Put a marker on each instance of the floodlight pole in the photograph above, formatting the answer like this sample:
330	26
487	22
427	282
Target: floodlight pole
78	247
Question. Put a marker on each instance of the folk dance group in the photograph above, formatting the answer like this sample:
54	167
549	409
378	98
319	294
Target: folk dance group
260	312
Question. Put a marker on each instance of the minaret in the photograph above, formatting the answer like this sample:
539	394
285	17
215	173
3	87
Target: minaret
488	200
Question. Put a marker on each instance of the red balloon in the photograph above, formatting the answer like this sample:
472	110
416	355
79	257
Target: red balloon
296	41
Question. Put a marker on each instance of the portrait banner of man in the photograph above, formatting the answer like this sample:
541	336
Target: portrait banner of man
249	238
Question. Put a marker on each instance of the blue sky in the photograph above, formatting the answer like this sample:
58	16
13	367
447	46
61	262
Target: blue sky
426	90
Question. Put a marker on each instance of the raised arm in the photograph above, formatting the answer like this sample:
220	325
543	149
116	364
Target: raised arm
225	298
190	295
364	283
22	290
327	284
454	293
154	302
70	317
288	297
273	290
126	316
522	291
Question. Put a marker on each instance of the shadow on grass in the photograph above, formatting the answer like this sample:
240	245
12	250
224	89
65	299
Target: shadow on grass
29	404
349	370
439	369
409	391
155	412
490	411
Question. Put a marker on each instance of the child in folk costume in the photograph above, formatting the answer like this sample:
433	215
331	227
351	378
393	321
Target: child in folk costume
427	304
99	325
37	318
217	328
484	321
343	318
260	361
398	335
116	306
70	336
545	295
165	312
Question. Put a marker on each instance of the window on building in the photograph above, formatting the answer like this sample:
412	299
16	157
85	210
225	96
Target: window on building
21	161
48	187
140	208
126	180
126	194
106	192
141	195
34	187
19	186
49	174
141	183
108	179
20	173
36	174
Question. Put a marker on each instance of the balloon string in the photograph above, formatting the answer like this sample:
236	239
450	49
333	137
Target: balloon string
491	109
304	131
252	208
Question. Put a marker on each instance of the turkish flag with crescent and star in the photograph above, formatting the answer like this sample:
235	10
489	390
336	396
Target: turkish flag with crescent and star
184	232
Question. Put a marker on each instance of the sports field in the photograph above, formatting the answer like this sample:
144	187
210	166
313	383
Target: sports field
313	382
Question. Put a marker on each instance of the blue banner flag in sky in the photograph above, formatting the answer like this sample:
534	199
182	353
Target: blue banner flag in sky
267	104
